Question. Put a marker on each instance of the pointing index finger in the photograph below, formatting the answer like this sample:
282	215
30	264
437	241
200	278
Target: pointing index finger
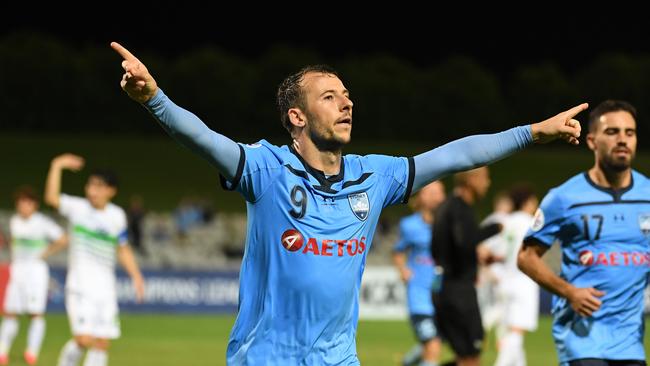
122	51
571	112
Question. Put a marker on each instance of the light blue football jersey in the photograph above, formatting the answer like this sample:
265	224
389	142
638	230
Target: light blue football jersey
307	240
604	239
415	237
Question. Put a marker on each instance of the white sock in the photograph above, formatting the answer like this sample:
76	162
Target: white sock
413	356
70	354
8	331
35	335
96	357
511	350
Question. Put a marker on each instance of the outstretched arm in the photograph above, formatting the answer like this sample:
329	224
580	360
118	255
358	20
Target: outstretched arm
53	183
181	124
478	150
529	260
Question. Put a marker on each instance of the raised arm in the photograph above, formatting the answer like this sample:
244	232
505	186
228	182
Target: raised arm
181	124
53	183
478	150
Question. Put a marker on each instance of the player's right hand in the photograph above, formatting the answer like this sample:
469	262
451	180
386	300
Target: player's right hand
137	82
585	300
69	161
406	274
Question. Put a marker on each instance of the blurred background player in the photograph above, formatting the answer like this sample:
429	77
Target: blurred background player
417	272
98	230
454	248
518	293
34	237
488	273
601	219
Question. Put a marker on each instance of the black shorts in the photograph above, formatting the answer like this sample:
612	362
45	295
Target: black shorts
602	362
424	327
459	319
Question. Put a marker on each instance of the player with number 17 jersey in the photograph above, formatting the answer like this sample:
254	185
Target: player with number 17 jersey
604	235
316	230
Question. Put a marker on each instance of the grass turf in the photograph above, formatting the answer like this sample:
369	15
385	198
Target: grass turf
188	340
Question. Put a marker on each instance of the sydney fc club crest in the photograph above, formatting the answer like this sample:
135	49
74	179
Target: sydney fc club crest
360	205
644	223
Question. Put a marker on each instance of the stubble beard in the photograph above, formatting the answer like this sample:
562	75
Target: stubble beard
326	143
610	164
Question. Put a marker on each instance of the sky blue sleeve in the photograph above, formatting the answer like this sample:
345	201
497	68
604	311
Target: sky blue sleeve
548	219
396	177
258	168
468	153
192	133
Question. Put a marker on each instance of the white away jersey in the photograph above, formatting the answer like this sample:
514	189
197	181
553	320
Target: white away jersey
94	237
30	237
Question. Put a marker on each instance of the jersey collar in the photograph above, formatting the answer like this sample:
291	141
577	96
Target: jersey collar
324	181
615	193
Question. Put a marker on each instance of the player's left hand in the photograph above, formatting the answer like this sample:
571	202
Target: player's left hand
562	126
137	82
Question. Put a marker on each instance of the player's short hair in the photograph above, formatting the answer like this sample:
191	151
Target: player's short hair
607	106
25	192
291	93
107	176
519	194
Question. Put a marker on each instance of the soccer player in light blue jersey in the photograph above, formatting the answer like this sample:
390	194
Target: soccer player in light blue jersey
312	211
412	258
601	219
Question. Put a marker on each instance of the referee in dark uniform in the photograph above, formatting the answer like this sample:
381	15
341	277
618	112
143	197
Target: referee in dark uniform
456	235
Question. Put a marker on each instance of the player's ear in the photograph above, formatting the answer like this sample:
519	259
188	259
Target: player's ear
590	141
111	192
296	117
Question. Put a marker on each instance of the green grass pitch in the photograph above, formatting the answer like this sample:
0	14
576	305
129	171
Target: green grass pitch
192	340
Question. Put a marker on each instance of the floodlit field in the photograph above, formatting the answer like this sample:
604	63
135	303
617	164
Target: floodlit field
186	340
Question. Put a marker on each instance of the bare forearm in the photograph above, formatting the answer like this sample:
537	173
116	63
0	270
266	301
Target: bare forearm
127	260
536	269
53	185
55	247
399	259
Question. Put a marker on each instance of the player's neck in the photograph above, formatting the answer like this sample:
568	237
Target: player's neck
25	216
610	179
427	216
329	162
99	205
